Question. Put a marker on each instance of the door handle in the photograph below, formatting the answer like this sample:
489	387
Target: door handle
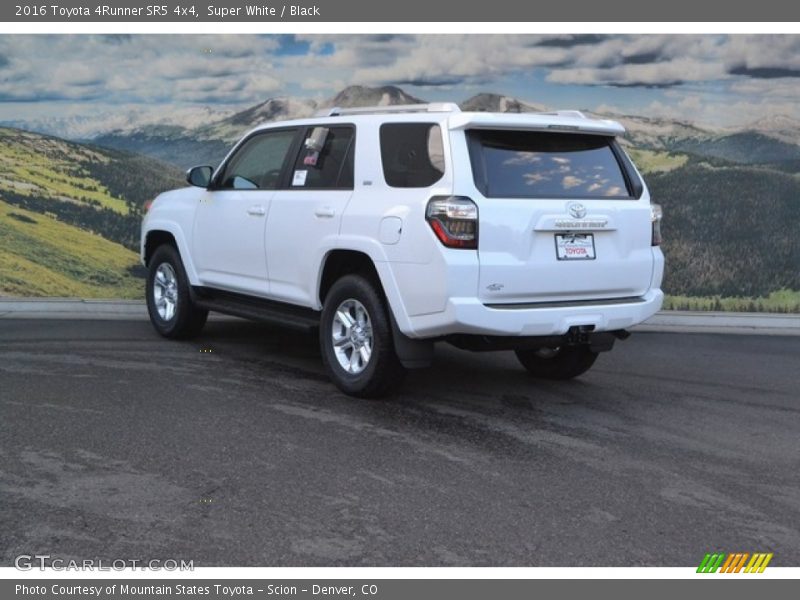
257	211
325	211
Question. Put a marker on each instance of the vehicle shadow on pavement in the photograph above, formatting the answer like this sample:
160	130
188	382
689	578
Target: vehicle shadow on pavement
491	379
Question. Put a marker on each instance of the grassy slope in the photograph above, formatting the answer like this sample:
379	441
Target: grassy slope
67	210
40	256
782	301
35	165
651	161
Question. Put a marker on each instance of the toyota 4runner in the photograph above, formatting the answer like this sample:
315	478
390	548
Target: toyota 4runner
388	229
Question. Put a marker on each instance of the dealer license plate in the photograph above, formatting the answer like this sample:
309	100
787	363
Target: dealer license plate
575	246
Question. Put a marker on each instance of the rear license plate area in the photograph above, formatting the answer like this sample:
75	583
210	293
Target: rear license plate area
575	246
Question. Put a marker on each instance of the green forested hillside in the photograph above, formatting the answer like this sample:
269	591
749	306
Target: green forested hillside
173	145
70	216
95	189
729	230
745	147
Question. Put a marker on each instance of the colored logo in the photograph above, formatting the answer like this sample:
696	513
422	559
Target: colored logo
735	562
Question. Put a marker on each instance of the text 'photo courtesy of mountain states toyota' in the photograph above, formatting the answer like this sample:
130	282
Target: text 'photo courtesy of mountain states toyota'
388	229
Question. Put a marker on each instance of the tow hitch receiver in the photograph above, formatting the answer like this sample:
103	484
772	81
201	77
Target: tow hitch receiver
579	334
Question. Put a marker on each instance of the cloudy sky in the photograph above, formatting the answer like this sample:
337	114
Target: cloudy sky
720	80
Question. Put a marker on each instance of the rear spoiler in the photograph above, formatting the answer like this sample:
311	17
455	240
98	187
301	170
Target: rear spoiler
560	121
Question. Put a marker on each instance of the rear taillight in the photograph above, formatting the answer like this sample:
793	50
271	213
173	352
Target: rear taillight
656	215
147	206
454	220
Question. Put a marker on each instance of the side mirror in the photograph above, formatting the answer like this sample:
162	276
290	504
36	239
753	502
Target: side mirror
199	176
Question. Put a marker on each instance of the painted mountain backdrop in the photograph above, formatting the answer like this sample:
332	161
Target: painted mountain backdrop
69	210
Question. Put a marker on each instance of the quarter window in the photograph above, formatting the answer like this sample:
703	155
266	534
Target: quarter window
412	154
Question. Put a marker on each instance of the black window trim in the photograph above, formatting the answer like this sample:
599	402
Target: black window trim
633	184
214	185
297	150
380	149
632	180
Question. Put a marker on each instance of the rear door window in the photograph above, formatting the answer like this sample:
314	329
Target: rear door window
325	161
532	164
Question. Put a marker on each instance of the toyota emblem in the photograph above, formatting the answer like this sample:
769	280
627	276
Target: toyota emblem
576	209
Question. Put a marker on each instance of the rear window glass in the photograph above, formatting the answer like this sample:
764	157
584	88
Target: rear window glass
412	154
529	164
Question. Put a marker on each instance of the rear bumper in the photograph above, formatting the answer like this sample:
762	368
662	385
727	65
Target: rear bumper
470	316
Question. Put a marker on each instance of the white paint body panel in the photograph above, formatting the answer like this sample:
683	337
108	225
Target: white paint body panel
300	222
432	290
228	240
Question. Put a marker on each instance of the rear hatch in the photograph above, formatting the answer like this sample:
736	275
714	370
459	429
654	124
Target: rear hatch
561	217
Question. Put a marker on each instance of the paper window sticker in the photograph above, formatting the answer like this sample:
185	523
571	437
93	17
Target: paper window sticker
300	177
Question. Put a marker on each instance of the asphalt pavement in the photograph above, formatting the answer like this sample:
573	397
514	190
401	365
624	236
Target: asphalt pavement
234	450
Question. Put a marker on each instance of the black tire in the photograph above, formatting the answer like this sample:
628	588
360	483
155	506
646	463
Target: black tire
188	320
566	362
382	373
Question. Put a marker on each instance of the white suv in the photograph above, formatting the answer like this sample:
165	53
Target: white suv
390	228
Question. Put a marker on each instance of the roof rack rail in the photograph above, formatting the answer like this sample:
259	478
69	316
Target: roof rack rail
396	108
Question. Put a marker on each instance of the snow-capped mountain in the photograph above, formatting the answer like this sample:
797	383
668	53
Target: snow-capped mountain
278	109
275	109
191	135
88	127
486	102
765	141
355	96
657	133
780	127
208	142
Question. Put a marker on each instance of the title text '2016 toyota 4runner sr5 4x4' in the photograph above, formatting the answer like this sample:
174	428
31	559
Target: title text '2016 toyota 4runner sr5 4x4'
388	229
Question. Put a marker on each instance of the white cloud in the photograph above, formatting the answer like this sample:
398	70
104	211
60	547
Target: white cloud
747	73
764	52
138	68
665	73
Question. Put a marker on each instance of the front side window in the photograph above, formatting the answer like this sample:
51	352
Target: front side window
533	164
325	160
412	154
258	163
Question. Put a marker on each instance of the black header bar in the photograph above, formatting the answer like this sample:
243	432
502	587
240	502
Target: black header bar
441	11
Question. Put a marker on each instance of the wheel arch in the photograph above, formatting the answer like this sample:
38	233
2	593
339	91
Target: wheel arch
339	262
165	232
153	240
